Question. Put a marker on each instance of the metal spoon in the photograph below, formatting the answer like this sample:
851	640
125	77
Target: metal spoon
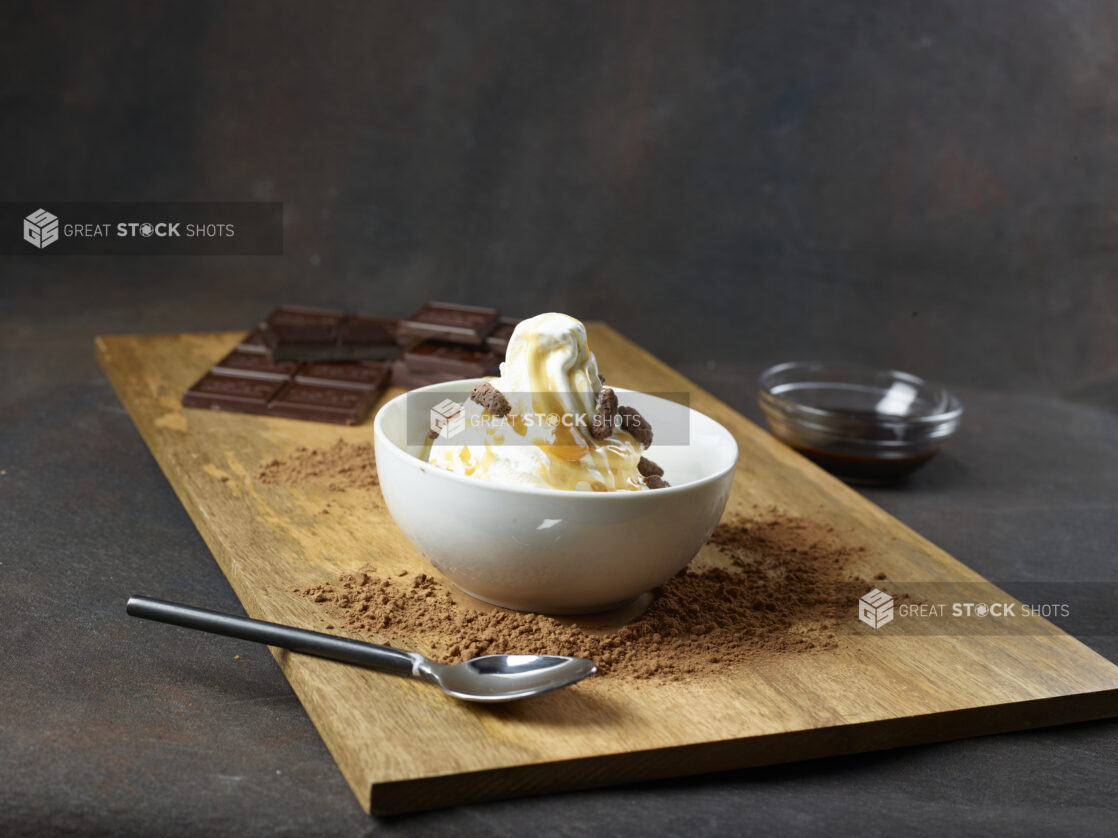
489	678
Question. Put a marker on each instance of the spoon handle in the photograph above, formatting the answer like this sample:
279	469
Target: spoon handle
381	658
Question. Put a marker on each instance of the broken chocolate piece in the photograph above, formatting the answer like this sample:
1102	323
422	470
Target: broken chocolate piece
637	425
492	399
605	408
469	325
655	481
293	333
301	324
647	468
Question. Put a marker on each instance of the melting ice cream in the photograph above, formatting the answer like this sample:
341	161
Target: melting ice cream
535	424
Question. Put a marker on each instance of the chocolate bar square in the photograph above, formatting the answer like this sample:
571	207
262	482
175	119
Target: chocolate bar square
450	322
296	324
232	392
321	403
360	376
253	365
451	358
363	328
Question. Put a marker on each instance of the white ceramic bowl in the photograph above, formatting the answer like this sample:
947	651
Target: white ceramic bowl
549	550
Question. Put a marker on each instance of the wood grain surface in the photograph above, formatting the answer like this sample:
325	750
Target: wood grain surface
403	745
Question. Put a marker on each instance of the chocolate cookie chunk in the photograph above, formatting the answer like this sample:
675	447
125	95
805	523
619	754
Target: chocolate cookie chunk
635	424
655	481
647	468
491	399
605	408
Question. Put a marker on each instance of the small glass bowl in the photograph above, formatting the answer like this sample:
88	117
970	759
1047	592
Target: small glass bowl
863	425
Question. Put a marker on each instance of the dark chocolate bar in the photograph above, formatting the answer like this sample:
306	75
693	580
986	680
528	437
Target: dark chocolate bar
248	381
450	358
293	333
498	342
449	322
329	366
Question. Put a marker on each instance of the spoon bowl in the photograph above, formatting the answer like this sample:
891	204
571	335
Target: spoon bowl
505	677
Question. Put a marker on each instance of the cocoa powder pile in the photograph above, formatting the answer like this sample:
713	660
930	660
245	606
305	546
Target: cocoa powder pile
780	584
342	466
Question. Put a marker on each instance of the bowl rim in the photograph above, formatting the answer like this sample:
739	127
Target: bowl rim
954	411
615	496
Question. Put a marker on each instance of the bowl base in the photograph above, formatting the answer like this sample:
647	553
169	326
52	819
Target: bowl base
628	608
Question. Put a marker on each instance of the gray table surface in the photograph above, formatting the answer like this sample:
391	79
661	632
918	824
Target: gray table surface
923	186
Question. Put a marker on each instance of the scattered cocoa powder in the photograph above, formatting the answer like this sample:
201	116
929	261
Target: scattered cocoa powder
783	584
344	465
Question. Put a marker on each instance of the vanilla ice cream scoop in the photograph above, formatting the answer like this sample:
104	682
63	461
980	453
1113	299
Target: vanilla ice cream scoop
551	384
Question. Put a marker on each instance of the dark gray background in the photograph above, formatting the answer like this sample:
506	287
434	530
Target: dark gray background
930	186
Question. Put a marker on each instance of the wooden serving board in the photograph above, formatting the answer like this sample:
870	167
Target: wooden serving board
404	746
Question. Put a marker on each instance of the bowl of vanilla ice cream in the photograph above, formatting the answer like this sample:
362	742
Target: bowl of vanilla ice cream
537	490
